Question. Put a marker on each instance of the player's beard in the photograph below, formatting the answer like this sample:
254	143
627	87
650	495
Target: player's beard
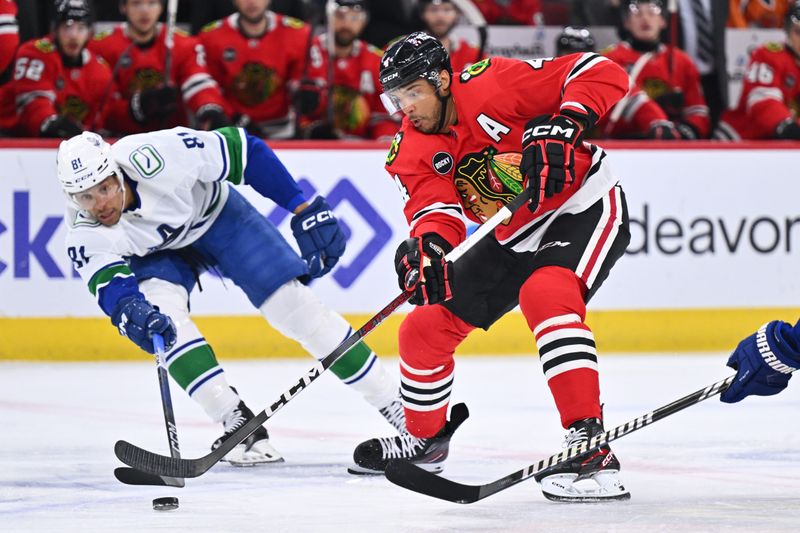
435	120
344	38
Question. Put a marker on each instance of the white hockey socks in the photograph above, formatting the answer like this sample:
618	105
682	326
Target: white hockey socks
296	312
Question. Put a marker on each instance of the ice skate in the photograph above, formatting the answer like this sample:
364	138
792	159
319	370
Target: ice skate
589	477
372	456
255	449
395	415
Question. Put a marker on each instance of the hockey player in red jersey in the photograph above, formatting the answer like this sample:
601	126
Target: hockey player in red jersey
9	40
470	143
770	101
58	83
666	74
9	36
439	18
636	116
357	109
137	52
257	57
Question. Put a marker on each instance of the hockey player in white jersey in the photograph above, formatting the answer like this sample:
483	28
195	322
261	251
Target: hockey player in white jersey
151	212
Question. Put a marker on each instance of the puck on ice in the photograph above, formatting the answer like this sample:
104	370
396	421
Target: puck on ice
165	504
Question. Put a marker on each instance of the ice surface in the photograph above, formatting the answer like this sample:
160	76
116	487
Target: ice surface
709	468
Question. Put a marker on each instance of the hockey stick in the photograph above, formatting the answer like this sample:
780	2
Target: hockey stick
475	17
330	44
169	39
170	466
411	477
131	476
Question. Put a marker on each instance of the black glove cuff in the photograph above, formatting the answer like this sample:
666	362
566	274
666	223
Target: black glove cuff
435	246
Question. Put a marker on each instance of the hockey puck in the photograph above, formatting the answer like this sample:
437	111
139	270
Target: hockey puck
165	504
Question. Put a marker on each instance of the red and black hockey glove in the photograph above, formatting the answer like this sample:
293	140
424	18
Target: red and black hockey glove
435	285
548	156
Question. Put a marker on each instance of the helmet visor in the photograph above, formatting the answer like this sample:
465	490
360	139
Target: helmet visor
109	187
406	96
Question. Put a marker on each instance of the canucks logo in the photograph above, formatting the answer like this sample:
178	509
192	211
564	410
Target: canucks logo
255	83
486	181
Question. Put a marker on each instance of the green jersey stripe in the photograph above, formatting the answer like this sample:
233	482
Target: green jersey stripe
104	276
236	146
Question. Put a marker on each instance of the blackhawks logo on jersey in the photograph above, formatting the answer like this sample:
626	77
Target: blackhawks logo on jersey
74	108
394	149
145	78
350	109
486	181
254	84
655	87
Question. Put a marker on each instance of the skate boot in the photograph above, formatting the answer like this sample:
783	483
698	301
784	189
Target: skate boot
372	456
395	415
253	450
590	477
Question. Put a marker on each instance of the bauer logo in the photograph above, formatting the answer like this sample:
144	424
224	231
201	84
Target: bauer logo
442	162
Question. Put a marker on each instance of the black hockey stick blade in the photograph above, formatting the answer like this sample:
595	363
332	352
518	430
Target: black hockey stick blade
131	476
411	477
161	465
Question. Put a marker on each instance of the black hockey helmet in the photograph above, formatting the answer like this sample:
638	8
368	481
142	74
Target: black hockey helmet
574	39
73	10
792	15
415	56
358	5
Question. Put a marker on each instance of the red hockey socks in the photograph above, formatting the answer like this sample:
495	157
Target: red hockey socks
552	302
428	338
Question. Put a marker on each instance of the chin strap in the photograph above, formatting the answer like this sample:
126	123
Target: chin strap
443	114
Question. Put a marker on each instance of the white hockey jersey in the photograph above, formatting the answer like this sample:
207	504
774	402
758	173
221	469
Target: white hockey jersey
180	181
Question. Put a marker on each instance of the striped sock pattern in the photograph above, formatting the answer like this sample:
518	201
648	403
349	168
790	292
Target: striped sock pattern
425	395
565	343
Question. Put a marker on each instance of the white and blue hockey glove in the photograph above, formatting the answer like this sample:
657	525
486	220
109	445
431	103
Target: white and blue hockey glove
136	319
764	361
319	237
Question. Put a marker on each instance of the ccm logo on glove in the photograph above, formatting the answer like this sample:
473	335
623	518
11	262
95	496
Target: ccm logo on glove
319	218
553	130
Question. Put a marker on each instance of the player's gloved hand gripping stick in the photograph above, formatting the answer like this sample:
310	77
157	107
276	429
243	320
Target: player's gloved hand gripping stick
131	476
153	463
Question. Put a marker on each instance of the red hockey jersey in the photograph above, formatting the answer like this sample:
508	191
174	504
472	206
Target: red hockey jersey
462	54
142	67
9	40
9	33
44	86
357	107
656	80
473	170
770	95
255	73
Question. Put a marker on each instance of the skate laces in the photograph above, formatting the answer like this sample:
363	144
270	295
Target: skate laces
575	437
395	415
235	421
403	447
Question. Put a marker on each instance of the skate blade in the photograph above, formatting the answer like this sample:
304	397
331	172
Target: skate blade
602	487
261	453
357	470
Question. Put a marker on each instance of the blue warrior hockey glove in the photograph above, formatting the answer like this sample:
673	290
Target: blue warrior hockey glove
764	361
319	237
136	319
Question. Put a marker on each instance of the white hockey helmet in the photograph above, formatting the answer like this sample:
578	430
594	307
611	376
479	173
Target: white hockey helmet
84	161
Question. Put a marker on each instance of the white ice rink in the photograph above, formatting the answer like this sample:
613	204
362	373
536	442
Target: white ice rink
712	467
